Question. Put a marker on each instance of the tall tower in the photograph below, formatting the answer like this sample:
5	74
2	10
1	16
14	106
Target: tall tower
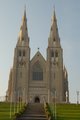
54	64
20	75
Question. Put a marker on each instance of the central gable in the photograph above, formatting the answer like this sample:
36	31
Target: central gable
38	58
37	67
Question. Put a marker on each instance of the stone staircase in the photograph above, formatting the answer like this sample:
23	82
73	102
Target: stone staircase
33	112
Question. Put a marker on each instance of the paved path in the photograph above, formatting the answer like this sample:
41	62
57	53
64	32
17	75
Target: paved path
33	112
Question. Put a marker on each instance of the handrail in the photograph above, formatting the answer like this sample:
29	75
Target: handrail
20	112
47	111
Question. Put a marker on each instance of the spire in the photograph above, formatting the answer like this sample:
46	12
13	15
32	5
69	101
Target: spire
24	16
54	17
23	34
54	36
54	28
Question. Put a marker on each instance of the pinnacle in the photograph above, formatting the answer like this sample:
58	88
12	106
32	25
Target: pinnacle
54	17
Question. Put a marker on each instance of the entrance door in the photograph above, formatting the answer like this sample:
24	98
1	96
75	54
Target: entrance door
37	100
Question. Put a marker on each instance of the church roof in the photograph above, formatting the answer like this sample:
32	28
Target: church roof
38	57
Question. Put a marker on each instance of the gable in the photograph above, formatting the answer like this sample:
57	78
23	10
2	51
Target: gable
38	58
37	70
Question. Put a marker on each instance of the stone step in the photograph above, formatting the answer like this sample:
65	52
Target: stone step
33	115
31	118
33	112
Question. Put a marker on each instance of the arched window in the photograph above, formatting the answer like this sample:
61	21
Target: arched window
56	54
24	53
54	41
19	52
52	54
37	72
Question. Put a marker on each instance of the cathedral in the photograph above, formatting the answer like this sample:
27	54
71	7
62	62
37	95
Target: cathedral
38	79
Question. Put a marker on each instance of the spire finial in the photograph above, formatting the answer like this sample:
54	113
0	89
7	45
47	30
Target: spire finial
38	49
53	16
54	13
24	15
25	7
25	10
54	7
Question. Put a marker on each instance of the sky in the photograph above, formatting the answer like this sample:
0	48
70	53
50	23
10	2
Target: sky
39	14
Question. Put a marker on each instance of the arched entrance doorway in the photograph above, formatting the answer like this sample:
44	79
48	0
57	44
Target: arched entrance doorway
37	100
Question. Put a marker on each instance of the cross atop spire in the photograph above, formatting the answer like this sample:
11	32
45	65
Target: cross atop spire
25	10
38	49
24	16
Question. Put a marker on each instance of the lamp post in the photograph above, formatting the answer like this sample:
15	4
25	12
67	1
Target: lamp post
77	97
54	98
11	106
14	102
54	62
17	101
48	95
66	96
55	105
6	98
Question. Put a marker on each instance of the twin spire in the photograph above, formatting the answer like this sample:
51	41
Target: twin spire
23	38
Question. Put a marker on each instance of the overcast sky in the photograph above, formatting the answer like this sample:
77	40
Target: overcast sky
39	14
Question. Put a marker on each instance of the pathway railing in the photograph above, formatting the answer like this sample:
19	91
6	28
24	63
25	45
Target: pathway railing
50	110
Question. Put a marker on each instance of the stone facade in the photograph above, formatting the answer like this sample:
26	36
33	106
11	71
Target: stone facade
38	79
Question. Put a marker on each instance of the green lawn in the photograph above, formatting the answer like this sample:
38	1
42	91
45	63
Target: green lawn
63	111
67	111
5	110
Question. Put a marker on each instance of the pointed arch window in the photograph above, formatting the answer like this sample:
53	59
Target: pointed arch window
23	53
51	28
22	38
37	72
56	54
19	52
52	53
20	75
54	41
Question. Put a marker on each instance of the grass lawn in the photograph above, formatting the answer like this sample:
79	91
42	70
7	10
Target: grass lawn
67	111
5	111
63	111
